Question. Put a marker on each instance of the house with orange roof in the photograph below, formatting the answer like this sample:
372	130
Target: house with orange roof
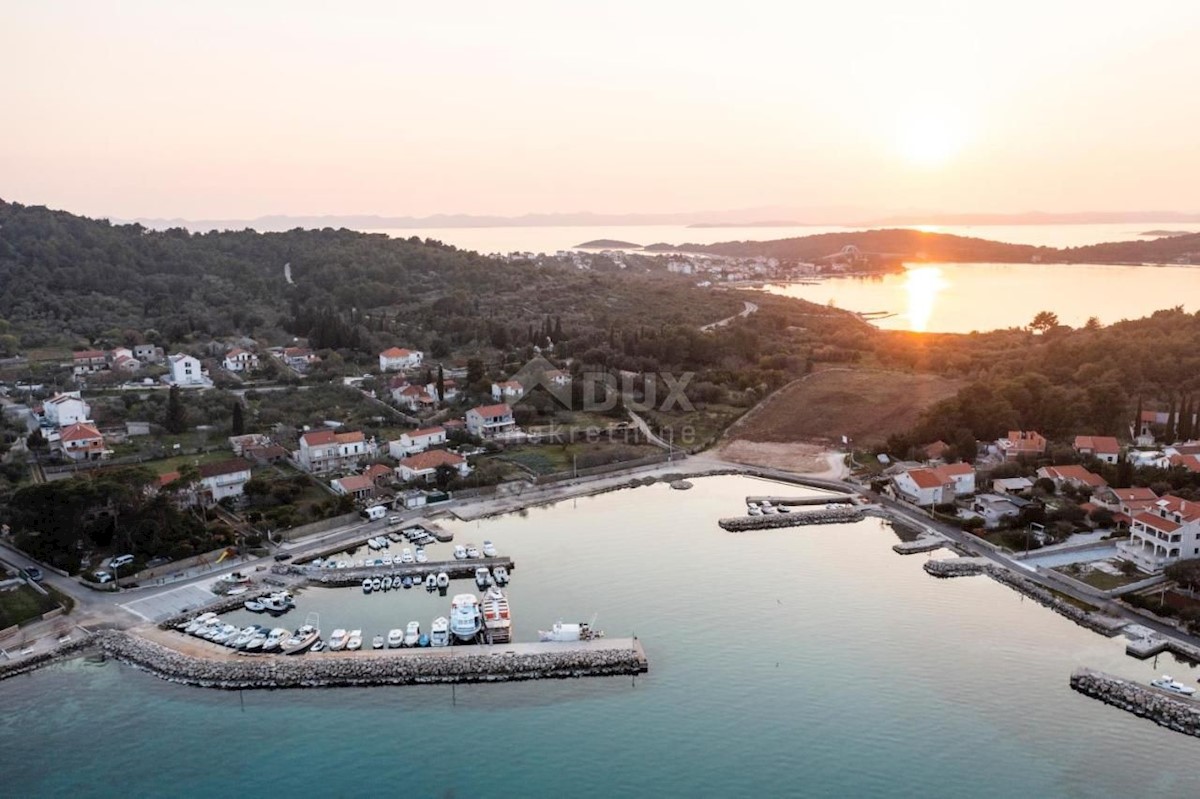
936	485
240	360
396	359
86	362
324	451
358	486
1072	474
1104	448
423	466
1165	532
1018	443
82	442
490	420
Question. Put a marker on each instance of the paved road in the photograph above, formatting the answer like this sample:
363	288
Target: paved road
749	308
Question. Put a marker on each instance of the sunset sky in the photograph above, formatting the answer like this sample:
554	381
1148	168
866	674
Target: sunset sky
226	110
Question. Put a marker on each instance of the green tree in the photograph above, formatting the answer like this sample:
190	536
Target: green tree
441	384
176	414
1043	321
238	425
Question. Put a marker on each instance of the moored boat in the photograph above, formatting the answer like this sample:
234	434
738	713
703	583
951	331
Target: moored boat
500	575
489	549
465	620
303	638
421	556
354	641
431	582
337	641
569	632
473	551
376	584
377	642
483	577
497	617
1167	684
406	556
460	552
254	606
318	646
395	638
412	633
366	585
423	640
387	583
275	639
439	632
443	580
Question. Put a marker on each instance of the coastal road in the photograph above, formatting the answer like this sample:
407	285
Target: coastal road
749	308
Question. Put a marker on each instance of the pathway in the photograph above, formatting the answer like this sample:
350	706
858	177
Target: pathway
749	308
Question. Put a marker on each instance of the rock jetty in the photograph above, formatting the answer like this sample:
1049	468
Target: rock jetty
452	665
1165	710
741	524
964	567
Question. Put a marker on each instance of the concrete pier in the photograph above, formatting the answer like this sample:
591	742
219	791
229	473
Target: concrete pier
456	569
795	501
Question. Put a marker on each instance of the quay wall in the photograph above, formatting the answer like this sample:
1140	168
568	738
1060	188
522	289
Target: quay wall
452	665
1178	714
963	567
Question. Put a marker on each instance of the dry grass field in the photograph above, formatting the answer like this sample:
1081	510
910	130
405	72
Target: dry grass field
866	405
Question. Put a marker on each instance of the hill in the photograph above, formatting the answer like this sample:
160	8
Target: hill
607	244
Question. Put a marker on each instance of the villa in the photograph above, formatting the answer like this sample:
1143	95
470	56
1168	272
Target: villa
397	359
415	441
1163	533
490	420
327	451
424	466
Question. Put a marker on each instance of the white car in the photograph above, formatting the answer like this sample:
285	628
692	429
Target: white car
119	561
102	577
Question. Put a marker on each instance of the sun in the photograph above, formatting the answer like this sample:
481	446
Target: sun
930	139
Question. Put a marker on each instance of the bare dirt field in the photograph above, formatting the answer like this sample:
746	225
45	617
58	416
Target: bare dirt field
866	405
798	458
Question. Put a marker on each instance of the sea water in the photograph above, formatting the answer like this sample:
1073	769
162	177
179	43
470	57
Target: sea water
810	661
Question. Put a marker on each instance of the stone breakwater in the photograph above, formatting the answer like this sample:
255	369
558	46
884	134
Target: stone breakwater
740	524
453	665
963	567
1165	710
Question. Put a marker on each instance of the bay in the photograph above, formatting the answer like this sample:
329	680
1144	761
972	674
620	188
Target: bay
799	662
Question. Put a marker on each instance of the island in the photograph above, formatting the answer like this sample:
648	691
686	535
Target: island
1166	233
608	244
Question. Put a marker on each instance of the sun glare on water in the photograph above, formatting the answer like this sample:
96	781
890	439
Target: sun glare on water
922	284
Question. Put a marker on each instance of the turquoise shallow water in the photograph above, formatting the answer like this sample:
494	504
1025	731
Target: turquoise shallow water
802	662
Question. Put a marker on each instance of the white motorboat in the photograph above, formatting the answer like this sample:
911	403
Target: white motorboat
497	618
255	644
406	556
784	509
226	632
387	583
383	541
569	632
421	556
355	640
395	638
376	584
751	505
243	637
318	646
489	549
198	622
465	619
770	510
303	638
483	577
337	641
377	642
473	551
755	512
254	606
1167	684
373	544
443	580
406	581
430	582
275	639
412	633
388	560
366	585
460	552
500	575
439	632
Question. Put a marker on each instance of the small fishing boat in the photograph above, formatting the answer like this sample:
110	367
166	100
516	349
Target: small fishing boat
423	640
460	552
473	551
439	632
366	585
483	577
569	632
430	582
318	646
500	575
377	642
388	560
412	633
443	580
489	549
387	583
395	638
337	641
198	622
243	637
1167	684
406	581
256	642
355	640
421	556
275	639
254	606
373	544
376	584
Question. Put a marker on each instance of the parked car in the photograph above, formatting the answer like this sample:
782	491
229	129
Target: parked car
34	573
282	556
119	561
102	576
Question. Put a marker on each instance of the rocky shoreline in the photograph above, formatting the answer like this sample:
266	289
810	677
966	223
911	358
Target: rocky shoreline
740	524
964	567
280	671
1180	715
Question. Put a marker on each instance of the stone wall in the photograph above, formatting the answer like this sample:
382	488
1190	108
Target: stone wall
795	519
1176	713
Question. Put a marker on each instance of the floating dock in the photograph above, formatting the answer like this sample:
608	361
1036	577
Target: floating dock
455	569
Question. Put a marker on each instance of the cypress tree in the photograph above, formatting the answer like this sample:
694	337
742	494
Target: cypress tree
1172	419
176	414
441	385
239	425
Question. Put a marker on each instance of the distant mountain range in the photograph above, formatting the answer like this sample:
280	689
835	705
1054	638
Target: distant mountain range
766	217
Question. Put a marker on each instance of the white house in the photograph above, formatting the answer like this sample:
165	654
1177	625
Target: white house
961	474
923	487
88	361
185	370
82	442
240	360
508	391
66	409
1165	532
996	508
490	420
449	390
415	398
326	451
223	479
414	441
397	359
424	466
1072	474
356	485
